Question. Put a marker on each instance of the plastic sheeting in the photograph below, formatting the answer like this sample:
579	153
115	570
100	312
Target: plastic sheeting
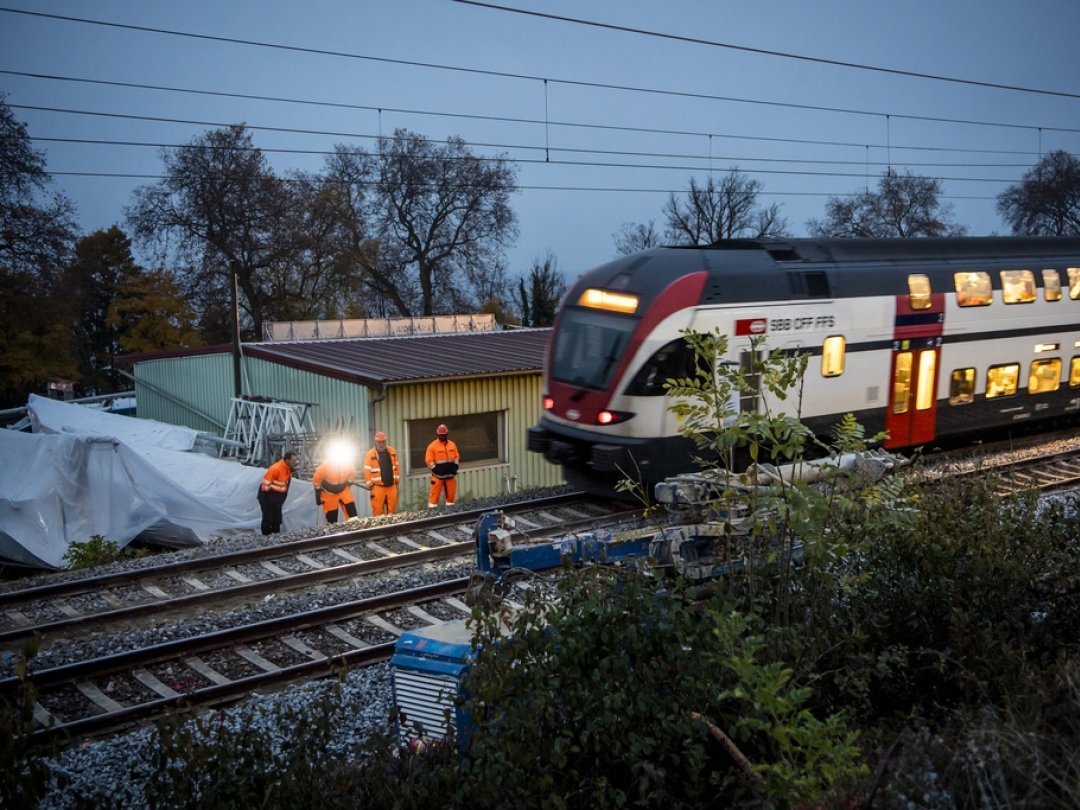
92	473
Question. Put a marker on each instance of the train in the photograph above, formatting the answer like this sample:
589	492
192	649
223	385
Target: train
925	339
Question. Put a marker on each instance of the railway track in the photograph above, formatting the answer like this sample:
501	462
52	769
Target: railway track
59	609
112	692
104	693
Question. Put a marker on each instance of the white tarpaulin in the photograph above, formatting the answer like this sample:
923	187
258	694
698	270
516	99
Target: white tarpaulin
92	473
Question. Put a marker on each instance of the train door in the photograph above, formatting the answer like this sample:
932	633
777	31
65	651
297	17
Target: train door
911	412
912	409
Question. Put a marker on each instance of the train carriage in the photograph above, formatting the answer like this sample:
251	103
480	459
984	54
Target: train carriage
927	339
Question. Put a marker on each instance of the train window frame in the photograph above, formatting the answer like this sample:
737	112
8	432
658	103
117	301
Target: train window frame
919	291
1034	386
1002	380
962	386
1018	287
1074	282
973	288
833	355
1074	372
1051	284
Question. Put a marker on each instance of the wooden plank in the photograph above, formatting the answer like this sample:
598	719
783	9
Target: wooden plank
206	670
149	680
232	573
383	624
249	654
302	648
346	636
310	562
97	696
423	615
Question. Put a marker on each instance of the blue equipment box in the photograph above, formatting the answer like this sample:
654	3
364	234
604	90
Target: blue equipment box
426	669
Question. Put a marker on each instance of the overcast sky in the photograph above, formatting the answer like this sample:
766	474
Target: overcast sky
604	114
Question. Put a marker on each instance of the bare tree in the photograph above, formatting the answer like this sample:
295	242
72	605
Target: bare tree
1047	200
633	237
220	209
443	221
725	210
904	205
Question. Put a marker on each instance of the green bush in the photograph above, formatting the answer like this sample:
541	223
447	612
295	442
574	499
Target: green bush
95	551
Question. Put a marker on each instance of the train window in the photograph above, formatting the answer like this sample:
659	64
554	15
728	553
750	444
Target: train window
901	387
962	386
832	356
588	346
973	288
1074	282
1001	381
1017	286
1051	285
1045	376
924	391
1074	372
673	360
918	291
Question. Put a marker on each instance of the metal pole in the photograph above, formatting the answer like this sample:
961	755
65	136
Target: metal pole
233	265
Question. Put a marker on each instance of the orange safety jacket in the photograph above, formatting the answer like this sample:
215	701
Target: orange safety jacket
277	478
442	458
335	480
372	470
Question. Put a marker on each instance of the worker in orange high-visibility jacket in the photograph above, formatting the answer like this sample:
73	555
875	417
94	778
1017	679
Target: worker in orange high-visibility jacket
333	481
381	473
274	489
442	458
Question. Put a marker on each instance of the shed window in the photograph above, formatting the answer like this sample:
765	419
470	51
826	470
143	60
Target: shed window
1045	376
918	291
1017	286
973	288
1001	381
1051	285
962	386
832	356
480	438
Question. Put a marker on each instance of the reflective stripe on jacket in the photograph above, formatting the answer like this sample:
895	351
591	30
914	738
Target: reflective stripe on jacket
277	478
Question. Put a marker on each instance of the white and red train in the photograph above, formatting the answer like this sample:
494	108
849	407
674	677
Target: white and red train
927	339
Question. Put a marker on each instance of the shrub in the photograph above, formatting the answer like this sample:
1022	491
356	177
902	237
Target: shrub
95	551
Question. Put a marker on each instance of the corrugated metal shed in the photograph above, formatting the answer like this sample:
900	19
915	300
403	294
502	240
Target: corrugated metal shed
484	385
385	361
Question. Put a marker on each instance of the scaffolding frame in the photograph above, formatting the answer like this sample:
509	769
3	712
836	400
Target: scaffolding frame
261	429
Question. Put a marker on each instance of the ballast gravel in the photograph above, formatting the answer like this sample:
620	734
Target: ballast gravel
114	772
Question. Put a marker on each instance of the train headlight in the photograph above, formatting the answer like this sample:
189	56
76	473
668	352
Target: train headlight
548	403
612	301
612	417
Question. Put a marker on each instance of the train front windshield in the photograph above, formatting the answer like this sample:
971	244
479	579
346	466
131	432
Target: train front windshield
588	345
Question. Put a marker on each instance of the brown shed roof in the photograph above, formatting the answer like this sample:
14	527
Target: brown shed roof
387	361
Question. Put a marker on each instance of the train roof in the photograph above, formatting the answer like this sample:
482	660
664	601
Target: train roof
743	270
965	248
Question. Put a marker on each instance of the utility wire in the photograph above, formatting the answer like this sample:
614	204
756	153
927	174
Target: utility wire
522	76
563	150
612	189
767	52
538	121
